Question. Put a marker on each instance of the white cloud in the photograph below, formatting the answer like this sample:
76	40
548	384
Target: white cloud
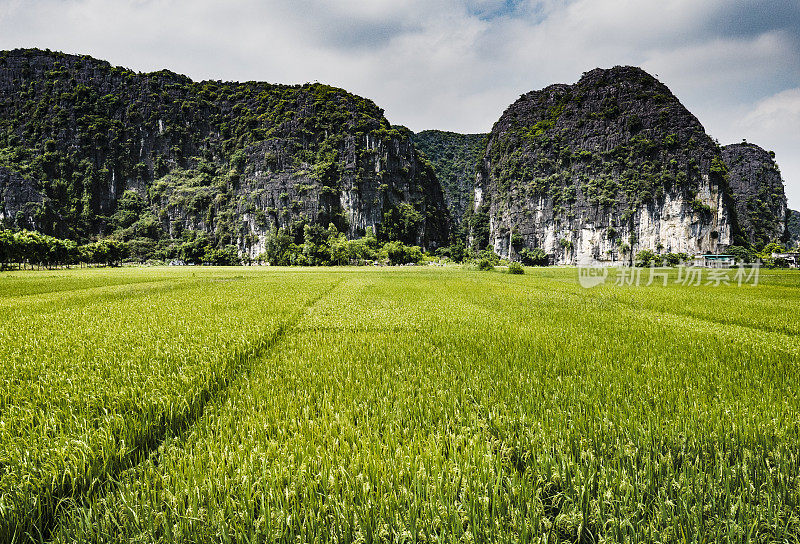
779	112
450	64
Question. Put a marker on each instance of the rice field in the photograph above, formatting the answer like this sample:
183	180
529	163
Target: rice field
413	404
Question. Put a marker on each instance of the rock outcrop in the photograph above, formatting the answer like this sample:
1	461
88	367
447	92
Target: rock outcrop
600	170
758	191
233	160
19	199
793	227
595	171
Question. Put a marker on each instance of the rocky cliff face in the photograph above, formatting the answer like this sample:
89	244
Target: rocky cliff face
230	159
793	227
454	158
19	199
600	170
758	192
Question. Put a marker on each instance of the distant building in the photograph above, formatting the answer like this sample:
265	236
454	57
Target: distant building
715	261
792	259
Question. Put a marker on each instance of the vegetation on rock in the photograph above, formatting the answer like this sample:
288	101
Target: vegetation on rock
793	227
88	150
455	159
595	155
757	189
219	172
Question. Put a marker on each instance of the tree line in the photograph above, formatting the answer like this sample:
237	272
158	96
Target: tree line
322	246
319	247
25	248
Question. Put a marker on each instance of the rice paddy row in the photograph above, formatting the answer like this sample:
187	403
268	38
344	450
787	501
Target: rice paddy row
419	405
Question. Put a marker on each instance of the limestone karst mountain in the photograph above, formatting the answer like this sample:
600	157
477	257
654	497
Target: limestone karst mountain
454	158
793	227
87	148
758	191
602	169
598	170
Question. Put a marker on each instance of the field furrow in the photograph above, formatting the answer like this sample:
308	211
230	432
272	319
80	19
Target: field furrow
425	405
107	385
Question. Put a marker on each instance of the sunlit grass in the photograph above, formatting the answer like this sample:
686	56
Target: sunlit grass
398	405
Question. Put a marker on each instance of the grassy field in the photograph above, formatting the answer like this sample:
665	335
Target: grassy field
396	405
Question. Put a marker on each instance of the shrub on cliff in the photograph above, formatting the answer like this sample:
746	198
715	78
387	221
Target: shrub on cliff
645	258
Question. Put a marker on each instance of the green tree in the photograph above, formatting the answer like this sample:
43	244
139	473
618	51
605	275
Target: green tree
107	252
194	249
456	252
534	257
226	256
278	248
362	250
645	258
129	207
340	249
315	244
766	254
6	248
395	253
401	223
742	254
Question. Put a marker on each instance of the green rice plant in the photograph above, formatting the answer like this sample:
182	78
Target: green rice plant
94	378
446	405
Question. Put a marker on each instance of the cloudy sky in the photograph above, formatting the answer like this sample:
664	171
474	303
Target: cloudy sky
456	64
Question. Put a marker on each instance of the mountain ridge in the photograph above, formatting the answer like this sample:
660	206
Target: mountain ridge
600	169
235	160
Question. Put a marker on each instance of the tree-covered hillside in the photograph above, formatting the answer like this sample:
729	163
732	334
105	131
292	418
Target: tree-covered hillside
454	158
793	227
88	149
757	189
603	169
